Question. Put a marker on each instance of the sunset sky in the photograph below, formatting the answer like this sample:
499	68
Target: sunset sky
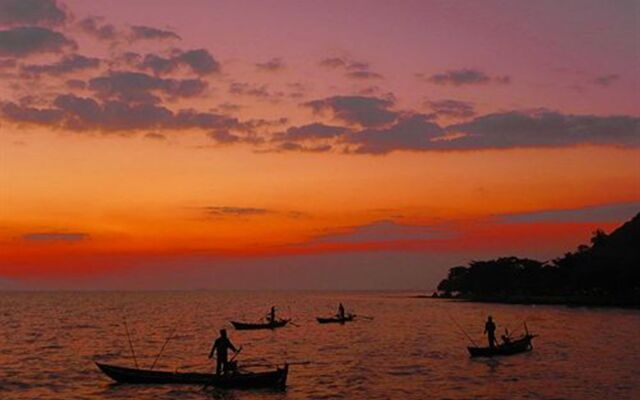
308	144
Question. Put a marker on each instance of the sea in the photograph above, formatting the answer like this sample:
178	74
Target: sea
404	347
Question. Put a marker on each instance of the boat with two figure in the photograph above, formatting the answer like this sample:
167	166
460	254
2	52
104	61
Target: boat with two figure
228	373
509	345
270	322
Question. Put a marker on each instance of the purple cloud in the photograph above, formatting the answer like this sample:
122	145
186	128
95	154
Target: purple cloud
24	41
32	12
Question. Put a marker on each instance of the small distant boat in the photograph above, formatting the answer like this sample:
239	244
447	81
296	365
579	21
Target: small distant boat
336	319
245	326
516	346
249	380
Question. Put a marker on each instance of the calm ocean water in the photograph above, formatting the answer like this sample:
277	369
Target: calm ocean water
411	350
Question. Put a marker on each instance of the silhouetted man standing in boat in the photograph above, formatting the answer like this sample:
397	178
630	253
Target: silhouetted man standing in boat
221	345
490	330
271	317
340	311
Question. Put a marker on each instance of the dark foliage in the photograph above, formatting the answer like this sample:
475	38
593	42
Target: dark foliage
610	266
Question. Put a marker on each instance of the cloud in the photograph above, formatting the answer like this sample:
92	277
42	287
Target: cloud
273	65
545	129
139	87
139	32
362	74
96	27
31	12
514	129
222	211
199	61
247	89
606	80
24	41
362	110
598	213
464	76
353	69
55	236
410	132
310	132
155	136
452	108
25	114
293	146
81	114
67	64
386	231
333	62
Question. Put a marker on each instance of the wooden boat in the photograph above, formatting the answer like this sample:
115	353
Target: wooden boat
516	346
336	319
237	380
245	326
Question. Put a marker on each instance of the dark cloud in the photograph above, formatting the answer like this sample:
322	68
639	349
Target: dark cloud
293	146
273	65
96	27
247	89
82	113
465	76
598	213
545	129
30	115
353	69
310	132
140	32
199	61
55	236
341	62
333	62
363	74
606	80
410	132
155	136
24	41
362	110
76	84
67	64
452	108
31	12
222	211
139	87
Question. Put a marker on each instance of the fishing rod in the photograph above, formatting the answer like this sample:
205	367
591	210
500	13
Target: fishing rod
462	330
165	344
126	328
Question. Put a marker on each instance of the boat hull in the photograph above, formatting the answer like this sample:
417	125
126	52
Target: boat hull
518	346
246	326
270	379
335	320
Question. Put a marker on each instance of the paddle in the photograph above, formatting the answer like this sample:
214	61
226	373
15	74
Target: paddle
364	316
294	324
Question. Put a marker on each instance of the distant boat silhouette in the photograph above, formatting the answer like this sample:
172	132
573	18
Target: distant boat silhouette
336	319
244	326
248	380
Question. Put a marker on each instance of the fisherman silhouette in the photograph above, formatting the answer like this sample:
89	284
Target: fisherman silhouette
221	345
490	330
271	317
341	311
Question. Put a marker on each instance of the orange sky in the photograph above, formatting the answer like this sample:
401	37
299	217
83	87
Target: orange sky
88	197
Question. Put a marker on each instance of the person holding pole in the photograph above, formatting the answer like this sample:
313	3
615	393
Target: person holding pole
221	346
